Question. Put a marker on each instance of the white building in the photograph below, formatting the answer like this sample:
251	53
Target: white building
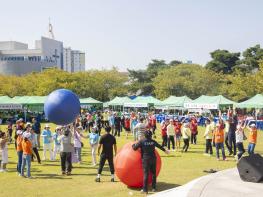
74	60
17	59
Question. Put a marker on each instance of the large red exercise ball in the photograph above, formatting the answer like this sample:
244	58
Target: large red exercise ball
62	107
128	166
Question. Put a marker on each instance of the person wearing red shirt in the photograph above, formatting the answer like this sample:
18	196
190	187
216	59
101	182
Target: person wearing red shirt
152	121
127	126
193	128
178	134
164	125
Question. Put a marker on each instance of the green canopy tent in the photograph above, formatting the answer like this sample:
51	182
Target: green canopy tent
118	102
7	103
209	102
254	102
173	102
32	103
87	103
142	102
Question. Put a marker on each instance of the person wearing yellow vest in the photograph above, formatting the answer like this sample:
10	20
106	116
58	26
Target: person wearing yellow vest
208	137
219	141
252	139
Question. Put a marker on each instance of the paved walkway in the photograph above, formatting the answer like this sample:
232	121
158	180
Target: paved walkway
226	183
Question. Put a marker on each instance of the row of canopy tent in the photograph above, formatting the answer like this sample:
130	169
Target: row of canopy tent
184	102
36	102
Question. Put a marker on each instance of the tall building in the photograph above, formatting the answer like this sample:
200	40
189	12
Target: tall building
74	60
17	59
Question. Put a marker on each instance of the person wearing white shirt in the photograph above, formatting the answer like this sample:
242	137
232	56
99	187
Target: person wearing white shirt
239	139
171	134
186	132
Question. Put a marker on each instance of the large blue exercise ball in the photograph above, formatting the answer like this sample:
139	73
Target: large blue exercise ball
62	107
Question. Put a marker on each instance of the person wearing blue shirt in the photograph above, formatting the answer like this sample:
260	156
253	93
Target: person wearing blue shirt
56	142
94	140
47	137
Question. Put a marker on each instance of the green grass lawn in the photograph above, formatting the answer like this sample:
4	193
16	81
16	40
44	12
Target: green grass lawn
177	169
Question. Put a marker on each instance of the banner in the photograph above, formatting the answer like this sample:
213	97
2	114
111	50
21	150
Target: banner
138	105
10	106
200	106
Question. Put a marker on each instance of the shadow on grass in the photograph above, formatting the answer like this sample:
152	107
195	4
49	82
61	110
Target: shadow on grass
161	186
51	176
32	170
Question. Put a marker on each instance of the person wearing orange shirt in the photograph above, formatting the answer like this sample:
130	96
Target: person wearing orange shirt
27	153
19	150
219	141
252	138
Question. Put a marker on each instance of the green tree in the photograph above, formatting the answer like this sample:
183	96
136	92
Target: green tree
223	61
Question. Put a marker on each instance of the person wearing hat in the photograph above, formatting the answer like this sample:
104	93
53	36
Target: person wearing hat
47	136
147	146
252	139
56	141
27	154
19	150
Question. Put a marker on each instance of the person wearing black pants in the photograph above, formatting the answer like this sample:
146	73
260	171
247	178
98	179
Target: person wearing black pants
107	142
208	136
171	139
209	148
36	154
186	136
66	149
66	164
147	146
117	125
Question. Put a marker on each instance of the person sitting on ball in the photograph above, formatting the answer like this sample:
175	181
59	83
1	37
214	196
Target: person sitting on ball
147	146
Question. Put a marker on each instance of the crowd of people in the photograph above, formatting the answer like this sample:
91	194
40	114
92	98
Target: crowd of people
66	141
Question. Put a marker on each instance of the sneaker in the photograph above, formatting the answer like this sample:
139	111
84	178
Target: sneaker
30	177
63	173
97	179
225	159
68	173
112	180
153	190
144	192
218	159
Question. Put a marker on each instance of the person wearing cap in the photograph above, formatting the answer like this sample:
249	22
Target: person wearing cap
252	139
147	146
186	132
171	134
219	141
27	154
19	150
107	142
56	141
47	136
93	141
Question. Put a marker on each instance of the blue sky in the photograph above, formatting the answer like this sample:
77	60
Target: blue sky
129	33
